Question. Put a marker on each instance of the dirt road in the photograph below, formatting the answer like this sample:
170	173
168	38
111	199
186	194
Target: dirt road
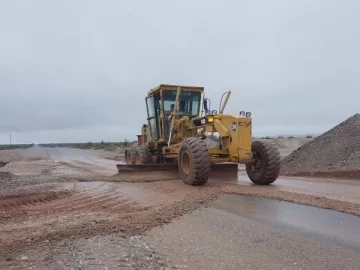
52	217
342	190
83	159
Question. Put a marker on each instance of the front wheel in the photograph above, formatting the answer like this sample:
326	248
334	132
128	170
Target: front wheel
265	168
142	155
194	161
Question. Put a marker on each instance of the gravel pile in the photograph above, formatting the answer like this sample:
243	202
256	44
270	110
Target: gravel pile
336	150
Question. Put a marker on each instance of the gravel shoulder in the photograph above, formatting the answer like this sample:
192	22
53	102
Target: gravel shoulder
29	154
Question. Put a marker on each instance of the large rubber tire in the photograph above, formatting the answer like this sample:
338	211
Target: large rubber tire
194	161
266	167
143	155
130	155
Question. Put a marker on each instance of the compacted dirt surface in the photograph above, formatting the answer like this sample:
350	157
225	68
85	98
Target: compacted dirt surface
47	215
253	236
67	209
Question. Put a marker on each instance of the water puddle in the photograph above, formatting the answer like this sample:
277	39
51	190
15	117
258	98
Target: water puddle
321	224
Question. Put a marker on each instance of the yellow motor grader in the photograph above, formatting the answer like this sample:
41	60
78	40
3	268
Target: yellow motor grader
182	133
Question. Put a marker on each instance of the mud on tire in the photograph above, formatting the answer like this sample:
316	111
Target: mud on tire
130	155
266	168
194	161
142	155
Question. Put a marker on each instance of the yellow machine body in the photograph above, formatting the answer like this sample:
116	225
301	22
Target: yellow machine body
182	129
234	131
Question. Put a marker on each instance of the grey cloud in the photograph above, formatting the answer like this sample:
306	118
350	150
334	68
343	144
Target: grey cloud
79	70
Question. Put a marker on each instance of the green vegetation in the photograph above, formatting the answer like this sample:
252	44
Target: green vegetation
107	146
14	146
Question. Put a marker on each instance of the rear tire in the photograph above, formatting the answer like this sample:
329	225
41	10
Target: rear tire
266	166
194	161
143	155
130	156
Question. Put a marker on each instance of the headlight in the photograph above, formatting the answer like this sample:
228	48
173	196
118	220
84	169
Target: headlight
248	114
210	119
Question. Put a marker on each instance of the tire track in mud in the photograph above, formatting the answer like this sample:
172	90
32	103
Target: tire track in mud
102	197
105	202
97	208
34	199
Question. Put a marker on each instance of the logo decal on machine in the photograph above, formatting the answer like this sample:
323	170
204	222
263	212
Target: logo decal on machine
244	124
234	126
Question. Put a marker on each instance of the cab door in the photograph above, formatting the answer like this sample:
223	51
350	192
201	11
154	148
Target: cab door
153	116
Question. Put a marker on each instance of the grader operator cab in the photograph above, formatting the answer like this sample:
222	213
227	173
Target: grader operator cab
183	133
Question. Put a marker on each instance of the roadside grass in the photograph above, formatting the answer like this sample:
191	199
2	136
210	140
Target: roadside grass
14	146
106	146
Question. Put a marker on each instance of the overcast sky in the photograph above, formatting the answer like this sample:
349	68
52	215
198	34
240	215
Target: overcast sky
79	70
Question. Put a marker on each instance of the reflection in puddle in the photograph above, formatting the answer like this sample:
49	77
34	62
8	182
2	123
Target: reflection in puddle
322	224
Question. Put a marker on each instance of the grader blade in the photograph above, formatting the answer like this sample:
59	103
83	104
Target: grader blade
161	172
146	168
146	172
220	169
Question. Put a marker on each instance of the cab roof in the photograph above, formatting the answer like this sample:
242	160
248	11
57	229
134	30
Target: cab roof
174	87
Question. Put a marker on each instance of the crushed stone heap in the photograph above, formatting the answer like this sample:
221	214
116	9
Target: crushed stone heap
336	150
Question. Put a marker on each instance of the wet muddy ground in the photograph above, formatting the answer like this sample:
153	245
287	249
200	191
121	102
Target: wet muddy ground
221	238
327	225
61	212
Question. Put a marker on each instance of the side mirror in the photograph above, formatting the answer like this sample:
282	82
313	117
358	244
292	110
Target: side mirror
205	105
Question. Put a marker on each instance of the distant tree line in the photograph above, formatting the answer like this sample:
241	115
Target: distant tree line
15	146
91	145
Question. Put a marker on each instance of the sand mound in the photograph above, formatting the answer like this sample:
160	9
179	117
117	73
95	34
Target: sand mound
3	163
336	150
